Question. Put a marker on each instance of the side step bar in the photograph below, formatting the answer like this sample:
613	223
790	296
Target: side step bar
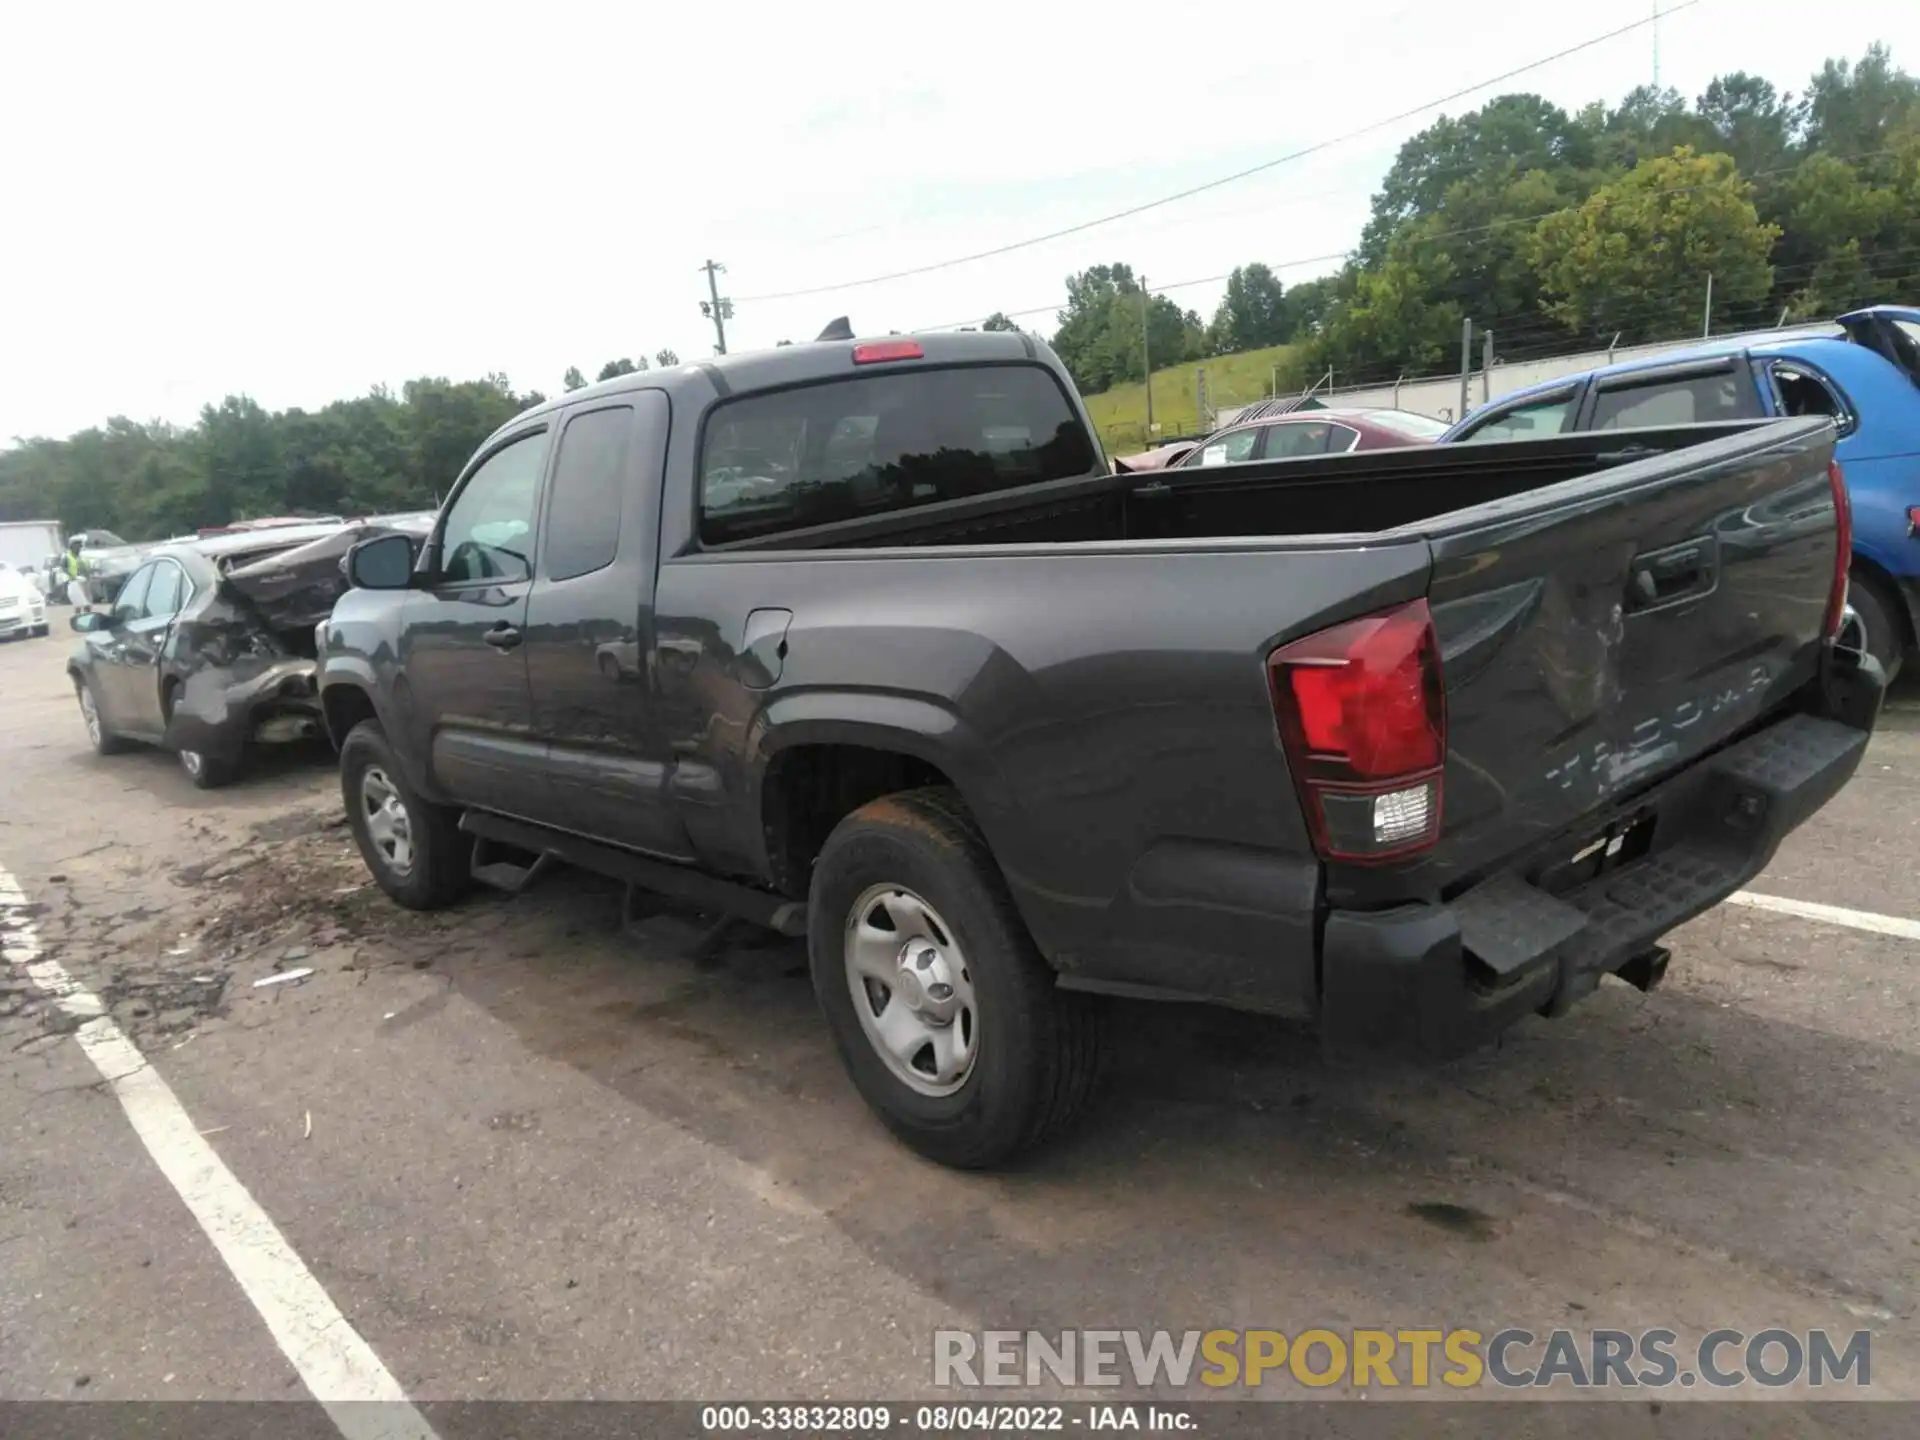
774	912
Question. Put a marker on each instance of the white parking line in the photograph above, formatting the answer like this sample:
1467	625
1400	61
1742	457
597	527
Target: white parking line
1830	914
338	1367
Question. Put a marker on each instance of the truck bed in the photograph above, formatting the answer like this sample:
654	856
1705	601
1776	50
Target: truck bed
1377	492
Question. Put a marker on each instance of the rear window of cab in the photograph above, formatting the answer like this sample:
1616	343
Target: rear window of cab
881	442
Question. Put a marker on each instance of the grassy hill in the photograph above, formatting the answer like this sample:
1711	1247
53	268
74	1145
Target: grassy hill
1120	414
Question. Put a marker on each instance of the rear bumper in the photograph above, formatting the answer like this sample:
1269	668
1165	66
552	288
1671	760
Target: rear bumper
1439	980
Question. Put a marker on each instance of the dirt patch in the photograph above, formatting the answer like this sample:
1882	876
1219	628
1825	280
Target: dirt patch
298	823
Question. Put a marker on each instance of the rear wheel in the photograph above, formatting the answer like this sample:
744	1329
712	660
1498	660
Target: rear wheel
944	1013
105	742
208	772
414	850
1883	636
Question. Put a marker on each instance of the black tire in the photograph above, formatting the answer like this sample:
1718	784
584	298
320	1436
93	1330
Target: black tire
207	772
438	871
1880	621
1039	1048
105	742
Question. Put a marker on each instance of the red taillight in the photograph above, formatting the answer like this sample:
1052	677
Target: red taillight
1842	547
1363	718
876	351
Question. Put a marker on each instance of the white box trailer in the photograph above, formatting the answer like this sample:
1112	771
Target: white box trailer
26	544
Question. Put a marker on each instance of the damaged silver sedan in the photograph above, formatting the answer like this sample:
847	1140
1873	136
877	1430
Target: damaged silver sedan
207	649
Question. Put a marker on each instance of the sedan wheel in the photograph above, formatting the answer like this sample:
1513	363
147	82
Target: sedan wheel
389	826
105	742
90	714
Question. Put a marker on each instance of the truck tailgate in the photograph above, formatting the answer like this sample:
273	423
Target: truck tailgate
1603	633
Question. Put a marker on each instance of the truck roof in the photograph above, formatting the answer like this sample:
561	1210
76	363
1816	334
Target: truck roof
750	370
1818	337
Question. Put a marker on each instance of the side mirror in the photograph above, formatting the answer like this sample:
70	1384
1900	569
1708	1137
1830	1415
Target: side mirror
85	620
383	563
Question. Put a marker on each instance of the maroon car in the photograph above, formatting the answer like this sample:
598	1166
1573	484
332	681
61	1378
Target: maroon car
1300	432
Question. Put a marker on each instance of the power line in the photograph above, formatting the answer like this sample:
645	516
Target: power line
1161	289
1191	191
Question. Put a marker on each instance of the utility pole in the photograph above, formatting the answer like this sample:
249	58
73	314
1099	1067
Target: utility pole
1486	367
1656	46
716	309
1466	365
1706	318
1146	353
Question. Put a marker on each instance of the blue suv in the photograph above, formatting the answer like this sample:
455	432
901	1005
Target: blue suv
1867	376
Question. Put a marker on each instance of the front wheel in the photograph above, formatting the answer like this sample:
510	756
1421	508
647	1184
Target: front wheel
105	742
943	1011
413	849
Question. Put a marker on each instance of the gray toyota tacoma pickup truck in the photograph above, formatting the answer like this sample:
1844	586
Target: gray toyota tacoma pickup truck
866	641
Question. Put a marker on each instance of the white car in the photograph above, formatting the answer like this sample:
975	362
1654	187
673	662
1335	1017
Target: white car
23	609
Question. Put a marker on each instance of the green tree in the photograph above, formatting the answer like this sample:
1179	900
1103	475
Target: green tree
1853	110
998	321
1305	306
1833	217
1647	124
1396	320
1510	135
1752	122
666	359
1082	340
1251	315
573	379
241	460
615	368
1635	255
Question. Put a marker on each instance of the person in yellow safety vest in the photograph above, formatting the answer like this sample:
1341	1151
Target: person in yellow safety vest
76	569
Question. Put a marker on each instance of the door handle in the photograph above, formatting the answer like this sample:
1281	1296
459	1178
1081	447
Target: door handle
1666	577
503	636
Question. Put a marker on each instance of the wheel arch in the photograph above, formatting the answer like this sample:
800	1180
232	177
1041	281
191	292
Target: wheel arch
816	758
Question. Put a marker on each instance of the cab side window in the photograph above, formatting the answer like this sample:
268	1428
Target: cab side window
1692	400
487	537
1526	422
589	482
1801	390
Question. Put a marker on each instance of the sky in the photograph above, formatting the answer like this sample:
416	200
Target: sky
299	201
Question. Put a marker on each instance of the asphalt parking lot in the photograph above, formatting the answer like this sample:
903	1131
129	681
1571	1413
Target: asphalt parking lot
526	1154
